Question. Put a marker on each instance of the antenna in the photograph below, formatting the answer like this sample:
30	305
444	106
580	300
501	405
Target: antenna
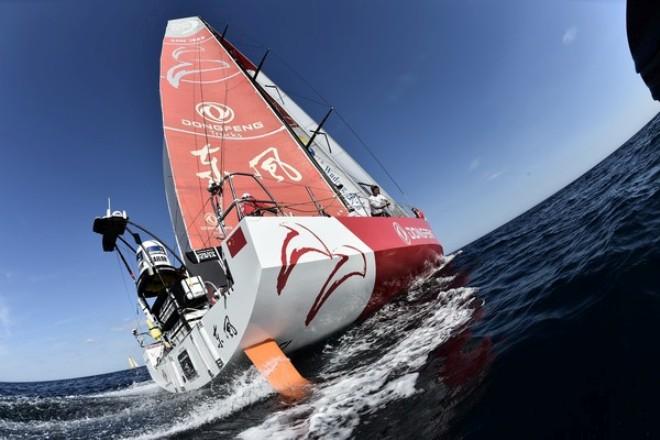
109	211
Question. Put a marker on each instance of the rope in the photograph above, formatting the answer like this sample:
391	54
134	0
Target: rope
207	144
353	131
371	153
287	205
205	200
128	294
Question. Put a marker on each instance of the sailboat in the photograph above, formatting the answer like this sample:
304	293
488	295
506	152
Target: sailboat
131	363
277	244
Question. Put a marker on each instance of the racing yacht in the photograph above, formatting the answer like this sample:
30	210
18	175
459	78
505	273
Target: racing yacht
276	244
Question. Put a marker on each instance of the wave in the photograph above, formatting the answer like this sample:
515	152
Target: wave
247	389
384	363
137	389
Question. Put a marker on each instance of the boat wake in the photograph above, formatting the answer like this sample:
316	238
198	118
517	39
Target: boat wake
384	365
247	389
367	367
137	389
361	371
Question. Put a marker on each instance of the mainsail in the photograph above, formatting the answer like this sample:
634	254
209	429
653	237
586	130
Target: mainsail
217	122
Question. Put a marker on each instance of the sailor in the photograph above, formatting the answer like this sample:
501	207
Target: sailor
418	213
251	207
378	203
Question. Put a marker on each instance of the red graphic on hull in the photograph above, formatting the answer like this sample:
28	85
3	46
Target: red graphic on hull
291	254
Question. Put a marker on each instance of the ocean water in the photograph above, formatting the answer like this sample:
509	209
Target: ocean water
545	328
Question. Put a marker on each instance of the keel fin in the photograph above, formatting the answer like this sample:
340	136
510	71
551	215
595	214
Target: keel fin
273	364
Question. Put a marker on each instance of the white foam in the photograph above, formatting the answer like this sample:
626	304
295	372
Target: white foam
135	389
335	407
246	389
369	366
182	412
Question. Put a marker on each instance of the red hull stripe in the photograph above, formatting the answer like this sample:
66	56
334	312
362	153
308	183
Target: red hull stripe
403	247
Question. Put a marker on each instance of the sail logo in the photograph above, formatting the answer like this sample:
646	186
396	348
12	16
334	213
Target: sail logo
220	121
346	262
409	233
211	219
183	26
215	112
403	235
198	71
270	162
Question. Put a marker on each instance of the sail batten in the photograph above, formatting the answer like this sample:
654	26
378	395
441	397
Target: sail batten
216	122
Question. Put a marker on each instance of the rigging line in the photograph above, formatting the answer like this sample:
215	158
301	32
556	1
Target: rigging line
288	205
206	139
246	36
322	207
222	147
357	136
247	43
201	87
259	44
123	281
222	143
194	116
222	139
201	211
293	94
281	117
371	153
288	185
155	237
302	78
333	202
365	146
177	211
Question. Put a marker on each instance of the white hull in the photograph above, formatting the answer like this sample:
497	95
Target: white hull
253	311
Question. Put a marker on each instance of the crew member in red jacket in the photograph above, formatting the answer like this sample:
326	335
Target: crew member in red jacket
250	206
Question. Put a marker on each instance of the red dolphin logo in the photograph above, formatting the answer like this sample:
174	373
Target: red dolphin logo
296	244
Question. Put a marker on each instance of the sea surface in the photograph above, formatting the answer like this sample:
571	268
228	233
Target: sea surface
547	327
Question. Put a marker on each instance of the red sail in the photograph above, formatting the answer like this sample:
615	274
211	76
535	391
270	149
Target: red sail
217	122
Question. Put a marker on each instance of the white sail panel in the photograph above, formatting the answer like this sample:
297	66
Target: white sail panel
336	162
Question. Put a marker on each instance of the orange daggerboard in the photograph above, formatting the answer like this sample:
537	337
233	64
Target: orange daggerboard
273	364
216	122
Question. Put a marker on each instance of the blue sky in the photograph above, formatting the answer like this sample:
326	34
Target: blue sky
479	110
